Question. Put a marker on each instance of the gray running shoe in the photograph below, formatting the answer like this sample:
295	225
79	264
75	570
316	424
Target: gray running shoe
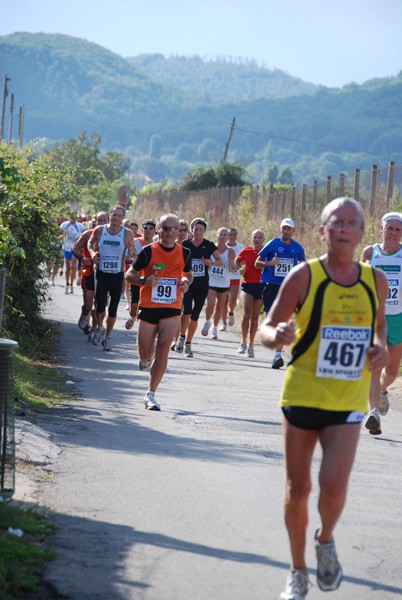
250	351
83	321
180	345
91	336
277	363
188	350
205	329
107	344
143	365
150	403
384	403
52	281
242	348
99	335
71	289
373	423
297	585
223	327
329	571
67	289
214	334
231	320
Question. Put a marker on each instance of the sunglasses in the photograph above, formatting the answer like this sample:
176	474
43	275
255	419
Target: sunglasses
146	227
166	228
181	230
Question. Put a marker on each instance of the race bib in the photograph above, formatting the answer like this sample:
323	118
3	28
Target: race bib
198	267
283	267
165	292
109	264
342	352
69	240
393	292
217	271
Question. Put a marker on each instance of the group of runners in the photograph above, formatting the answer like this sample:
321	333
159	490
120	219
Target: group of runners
342	318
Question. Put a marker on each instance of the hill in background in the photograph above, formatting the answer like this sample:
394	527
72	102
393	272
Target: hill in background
186	106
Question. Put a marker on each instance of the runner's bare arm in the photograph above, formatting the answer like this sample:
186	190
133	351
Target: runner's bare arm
92	244
260	263
81	243
129	242
378	352
276	331
366	254
217	260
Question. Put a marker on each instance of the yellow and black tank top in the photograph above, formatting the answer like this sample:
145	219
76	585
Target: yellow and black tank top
334	329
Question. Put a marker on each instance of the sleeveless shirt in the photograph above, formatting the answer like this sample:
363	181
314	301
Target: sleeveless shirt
334	329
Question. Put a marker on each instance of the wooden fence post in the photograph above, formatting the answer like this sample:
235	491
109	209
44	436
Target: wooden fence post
390	182
303	207
315	195
341	185
356	187
328	190
373	189
293	206
283	203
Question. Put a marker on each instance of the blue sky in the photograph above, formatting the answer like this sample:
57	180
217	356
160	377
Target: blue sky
322	41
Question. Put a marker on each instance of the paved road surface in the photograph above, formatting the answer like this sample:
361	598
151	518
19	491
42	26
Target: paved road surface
186	504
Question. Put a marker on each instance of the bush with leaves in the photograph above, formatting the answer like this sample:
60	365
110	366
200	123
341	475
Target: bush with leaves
33	192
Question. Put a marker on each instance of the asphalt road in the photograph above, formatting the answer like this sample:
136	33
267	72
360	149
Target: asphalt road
186	504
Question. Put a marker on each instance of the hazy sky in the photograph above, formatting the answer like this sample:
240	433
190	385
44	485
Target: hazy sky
332	42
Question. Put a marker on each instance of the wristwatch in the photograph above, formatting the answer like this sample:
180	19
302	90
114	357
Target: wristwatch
142	280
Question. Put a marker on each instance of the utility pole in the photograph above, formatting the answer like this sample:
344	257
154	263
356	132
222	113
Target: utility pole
21	124
10	125
3	107
228	142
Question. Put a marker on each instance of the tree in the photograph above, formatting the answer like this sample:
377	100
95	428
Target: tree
155	147
230	174
287	176
186	152
33	192
207	149
271	174
199	178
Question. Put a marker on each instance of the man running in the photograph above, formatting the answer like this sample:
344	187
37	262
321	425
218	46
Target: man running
72	230
201	252
219	283
166	274
148	231
231	299
251	291
387	256
107	246
276	259
339	341
81	252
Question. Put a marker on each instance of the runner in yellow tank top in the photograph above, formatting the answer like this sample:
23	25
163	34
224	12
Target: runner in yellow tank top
339	341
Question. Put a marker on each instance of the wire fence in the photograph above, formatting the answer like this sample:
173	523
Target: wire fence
378	190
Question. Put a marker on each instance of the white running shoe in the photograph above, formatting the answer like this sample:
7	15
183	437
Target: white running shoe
129	323
297	585
329	571
384	403
373	423
223	327
188	350
231	320
214	334
99	335
205	329
150	403
143	365
180	345
71	289
67	289
91	336
107	344
52	281
250	351
242	348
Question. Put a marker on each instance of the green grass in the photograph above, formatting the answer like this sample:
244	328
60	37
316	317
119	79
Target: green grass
39	383
22	559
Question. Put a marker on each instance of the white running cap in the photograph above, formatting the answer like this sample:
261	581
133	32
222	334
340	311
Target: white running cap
287	222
